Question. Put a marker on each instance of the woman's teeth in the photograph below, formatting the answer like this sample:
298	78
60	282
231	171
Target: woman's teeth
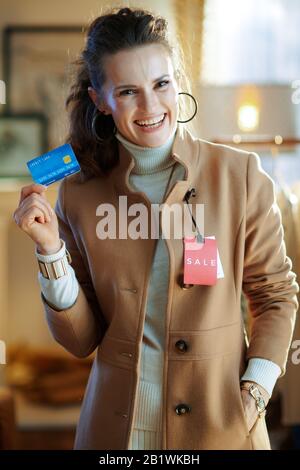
151	122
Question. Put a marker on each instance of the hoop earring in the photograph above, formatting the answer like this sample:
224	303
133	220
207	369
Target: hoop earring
100	139
195	103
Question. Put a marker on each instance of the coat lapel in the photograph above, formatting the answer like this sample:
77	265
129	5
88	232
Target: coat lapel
183	151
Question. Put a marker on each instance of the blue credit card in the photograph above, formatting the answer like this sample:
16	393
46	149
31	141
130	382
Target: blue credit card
53	165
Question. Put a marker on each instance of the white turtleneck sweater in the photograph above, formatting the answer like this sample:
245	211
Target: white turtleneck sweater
150	175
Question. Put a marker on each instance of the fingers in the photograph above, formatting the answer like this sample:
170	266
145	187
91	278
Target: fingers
32	188
29	217
31	202
35	199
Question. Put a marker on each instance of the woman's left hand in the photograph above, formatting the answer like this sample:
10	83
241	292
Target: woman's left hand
250	405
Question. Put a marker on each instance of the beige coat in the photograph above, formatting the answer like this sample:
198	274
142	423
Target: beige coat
289	386
110	309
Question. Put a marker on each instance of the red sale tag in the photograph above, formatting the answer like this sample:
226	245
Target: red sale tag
200	261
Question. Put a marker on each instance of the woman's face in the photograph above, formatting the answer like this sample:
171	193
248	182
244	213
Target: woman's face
141	90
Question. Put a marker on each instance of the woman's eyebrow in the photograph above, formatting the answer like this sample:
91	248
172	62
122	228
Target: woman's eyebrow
132	86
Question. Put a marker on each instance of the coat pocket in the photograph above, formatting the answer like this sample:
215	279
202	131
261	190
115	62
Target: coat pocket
259	434
242	410
206	344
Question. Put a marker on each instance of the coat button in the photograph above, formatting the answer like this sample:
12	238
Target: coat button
187	286
182	284
182	408
181	345
120	413
126	354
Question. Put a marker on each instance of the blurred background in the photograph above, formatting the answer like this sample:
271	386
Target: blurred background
243	62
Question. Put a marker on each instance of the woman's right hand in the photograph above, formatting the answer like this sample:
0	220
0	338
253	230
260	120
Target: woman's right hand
36	217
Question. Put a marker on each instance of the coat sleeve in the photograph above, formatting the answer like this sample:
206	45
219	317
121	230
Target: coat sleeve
268	280
80	327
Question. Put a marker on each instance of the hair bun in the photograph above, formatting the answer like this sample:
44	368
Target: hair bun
125	11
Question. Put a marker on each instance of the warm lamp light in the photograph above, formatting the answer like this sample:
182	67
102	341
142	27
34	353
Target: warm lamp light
247	112
248	117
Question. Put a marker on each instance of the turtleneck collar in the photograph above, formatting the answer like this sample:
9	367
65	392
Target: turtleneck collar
149	159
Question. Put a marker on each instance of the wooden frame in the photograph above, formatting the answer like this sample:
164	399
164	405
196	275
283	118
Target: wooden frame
22	137
37	72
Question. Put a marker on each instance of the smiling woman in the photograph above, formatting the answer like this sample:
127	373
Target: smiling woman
128	82
171	356
144	112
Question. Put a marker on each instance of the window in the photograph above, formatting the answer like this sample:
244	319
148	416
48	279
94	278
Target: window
251	41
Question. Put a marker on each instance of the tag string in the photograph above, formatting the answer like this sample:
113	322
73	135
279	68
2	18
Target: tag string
192	192
167	187
169	181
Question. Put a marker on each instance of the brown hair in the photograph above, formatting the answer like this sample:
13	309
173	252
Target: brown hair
118	29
